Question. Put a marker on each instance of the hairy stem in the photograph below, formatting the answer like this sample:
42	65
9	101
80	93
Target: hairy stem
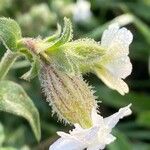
6	62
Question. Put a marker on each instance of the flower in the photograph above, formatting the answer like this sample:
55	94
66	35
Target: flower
115	64
94	138
81	11
108	59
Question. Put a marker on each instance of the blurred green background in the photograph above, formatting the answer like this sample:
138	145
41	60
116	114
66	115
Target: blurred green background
39	18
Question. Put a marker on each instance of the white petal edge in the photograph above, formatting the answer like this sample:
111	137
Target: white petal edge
96	118
109	34
99	147
115	39
111	81
112	120
120	67
66	144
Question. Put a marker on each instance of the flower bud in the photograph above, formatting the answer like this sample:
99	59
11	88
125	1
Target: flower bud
70	96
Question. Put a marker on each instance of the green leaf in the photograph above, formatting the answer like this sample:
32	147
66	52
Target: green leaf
13	99
138	134
65	37
2	136
33	72
140	101
141	146
10	33
7	148
6	62
143	28
54	36
144	118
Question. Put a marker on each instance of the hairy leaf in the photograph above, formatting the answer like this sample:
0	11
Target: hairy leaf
78	56
34	70
65	37
54	36
10	33
13	99
6	62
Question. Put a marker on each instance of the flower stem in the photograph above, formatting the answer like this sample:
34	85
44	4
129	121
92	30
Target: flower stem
6	62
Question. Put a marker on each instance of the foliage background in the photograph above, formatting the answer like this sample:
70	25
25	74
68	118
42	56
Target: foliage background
39	17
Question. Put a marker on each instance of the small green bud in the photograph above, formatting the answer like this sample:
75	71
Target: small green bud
70	96
73	57
81	55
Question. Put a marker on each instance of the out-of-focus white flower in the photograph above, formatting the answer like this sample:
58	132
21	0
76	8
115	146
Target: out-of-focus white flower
115	64
81	10
94	138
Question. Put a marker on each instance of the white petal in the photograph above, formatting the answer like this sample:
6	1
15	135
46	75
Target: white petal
66	144
84	136
97	147
77	126
91	135
87	136
117	40
110	138
124	36
111	81
79	132
108	35
96	119
120	67
113	119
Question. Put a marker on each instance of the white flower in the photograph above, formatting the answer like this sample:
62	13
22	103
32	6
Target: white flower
81	10
94	138
115	64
